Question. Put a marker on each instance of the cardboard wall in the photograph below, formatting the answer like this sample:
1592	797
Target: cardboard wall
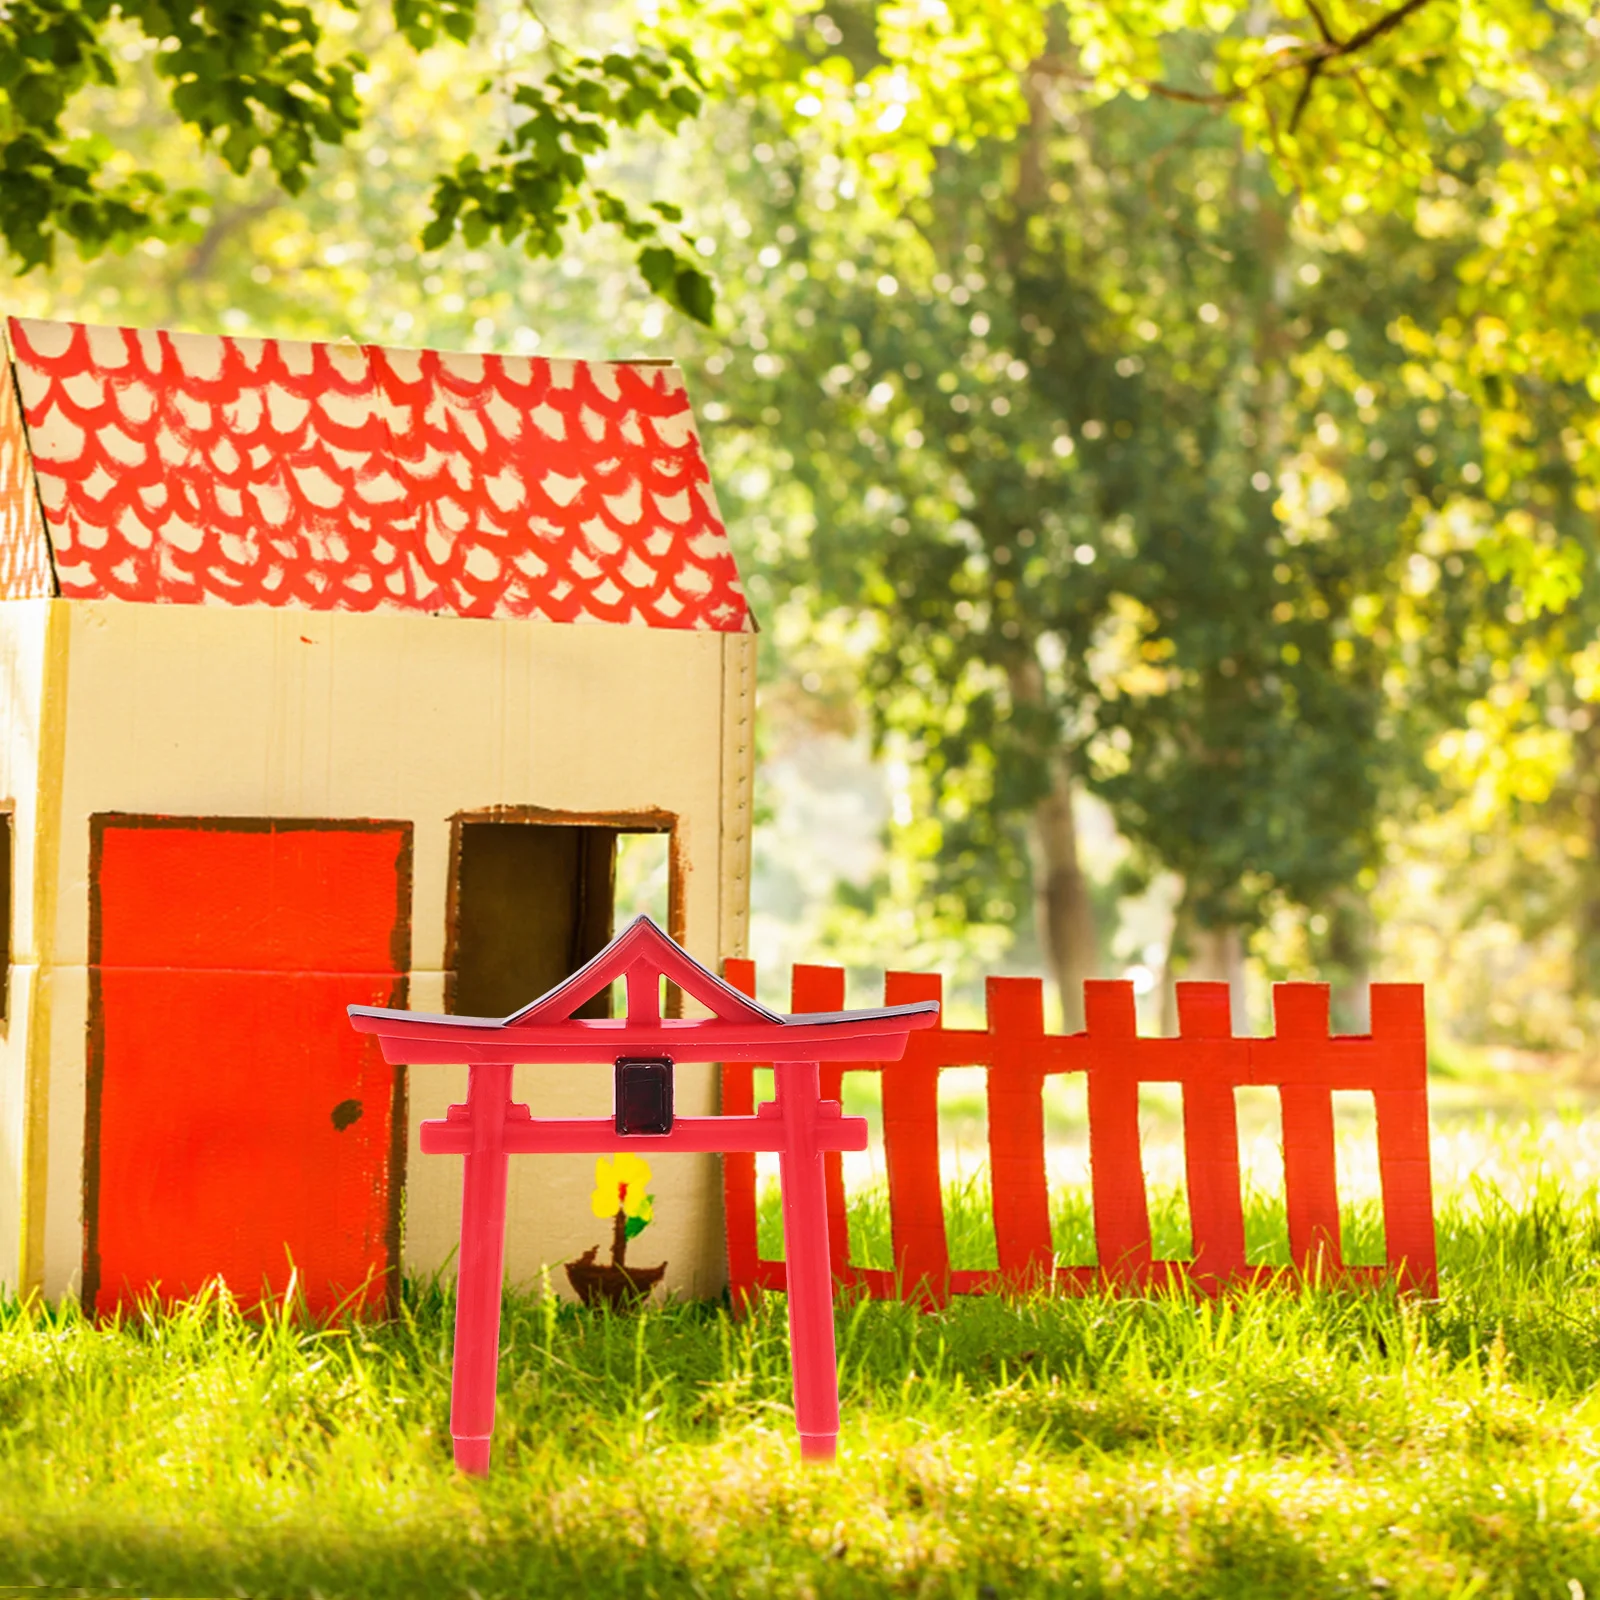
260	712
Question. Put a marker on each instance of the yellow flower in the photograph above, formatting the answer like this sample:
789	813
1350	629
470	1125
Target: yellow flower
620	1185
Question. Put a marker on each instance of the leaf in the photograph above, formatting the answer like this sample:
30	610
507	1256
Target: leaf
695	294
659	266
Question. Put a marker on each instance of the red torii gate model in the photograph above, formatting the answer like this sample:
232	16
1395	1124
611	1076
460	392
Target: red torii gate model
799	1125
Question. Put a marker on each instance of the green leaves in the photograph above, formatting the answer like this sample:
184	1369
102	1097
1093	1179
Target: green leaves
1113	450
250	74
635	1225
246	74
425	22
48	52
255	80
538	185
678	280
1474	120
1309	296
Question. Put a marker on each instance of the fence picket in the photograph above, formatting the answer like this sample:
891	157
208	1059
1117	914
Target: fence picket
1405	1165
739	1166
1116	1162
1211	1061
1017	1175
911	1153
1299	1060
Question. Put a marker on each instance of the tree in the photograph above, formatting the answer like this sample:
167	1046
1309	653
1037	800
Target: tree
1470	118
1356	106
1361	115
266	82
342	258
1040	420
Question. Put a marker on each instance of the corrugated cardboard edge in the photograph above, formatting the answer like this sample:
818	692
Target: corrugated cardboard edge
738	791
737	788
47	858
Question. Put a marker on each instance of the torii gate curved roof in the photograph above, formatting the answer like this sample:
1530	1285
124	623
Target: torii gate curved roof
643	954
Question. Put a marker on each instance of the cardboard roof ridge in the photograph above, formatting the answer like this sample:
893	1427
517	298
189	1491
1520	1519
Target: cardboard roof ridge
173	467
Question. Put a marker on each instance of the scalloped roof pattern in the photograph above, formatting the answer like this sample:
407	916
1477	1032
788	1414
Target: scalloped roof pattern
24	552
186	469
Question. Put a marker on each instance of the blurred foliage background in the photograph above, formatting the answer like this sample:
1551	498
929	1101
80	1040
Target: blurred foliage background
1162	441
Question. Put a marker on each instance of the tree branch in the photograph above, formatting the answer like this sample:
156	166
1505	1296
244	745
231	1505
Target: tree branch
1382	25
1305	94
1312	58
1189	97
1321	22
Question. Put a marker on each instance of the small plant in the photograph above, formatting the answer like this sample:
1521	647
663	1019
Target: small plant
620	1193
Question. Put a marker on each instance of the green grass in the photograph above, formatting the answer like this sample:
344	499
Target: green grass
1274	1444
969	1227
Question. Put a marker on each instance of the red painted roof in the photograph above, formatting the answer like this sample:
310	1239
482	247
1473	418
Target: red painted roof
184	469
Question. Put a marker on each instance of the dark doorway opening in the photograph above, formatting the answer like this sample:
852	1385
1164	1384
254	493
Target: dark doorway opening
531	902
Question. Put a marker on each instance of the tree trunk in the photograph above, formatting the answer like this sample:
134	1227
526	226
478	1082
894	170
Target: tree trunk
1202	955
1065	912
1349	963
1586	943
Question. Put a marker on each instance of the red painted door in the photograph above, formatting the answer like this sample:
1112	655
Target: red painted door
236	1123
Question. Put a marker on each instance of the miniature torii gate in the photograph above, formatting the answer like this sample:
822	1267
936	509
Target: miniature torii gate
799	1126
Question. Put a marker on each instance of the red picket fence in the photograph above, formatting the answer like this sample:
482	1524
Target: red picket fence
1301	1061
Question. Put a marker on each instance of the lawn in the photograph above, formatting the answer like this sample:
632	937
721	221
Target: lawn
1277	1443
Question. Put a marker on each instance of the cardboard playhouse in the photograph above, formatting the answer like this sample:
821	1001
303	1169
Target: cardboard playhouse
336	674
